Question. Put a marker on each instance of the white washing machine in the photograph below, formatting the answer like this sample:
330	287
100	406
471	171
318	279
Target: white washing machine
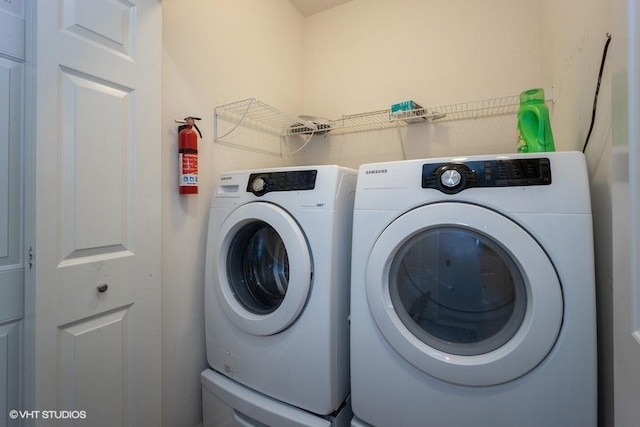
277	284
473	295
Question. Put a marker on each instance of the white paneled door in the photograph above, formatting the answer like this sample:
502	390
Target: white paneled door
97	211
626	216
12	66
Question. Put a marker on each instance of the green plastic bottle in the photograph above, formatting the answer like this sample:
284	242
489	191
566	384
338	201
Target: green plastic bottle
534	127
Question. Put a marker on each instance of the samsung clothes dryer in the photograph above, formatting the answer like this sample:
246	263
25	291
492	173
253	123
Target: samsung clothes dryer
473	295
277	283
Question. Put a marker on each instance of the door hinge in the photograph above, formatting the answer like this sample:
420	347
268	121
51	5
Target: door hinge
30	256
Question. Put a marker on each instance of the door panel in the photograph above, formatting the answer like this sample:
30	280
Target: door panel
12	24
96	349
106	23
11	72
11	295
96	158
97	203
12	54
10	373
625	216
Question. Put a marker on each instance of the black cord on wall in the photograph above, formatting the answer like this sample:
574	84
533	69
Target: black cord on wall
595	98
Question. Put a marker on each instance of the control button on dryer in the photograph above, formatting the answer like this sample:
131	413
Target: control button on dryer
450	178
259	186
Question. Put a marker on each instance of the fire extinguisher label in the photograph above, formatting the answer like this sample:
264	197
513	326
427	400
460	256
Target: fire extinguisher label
188	169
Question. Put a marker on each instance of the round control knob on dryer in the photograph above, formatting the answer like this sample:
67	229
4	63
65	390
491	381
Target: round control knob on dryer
450	178
258	185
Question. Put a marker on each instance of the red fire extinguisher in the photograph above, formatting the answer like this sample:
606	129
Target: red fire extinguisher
188	155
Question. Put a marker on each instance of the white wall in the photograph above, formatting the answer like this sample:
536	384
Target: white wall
367	55
573	39
573	36
215	52
362	56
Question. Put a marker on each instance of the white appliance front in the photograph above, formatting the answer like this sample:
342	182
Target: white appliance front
473	304
226	403
452	286
277	283
263	268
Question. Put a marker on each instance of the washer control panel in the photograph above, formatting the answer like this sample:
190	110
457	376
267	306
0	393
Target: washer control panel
453	177
263	183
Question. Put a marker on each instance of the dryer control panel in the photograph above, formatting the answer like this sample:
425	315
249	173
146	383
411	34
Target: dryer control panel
453	177
262	183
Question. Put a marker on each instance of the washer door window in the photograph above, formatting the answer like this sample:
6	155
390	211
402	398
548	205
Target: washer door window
263	268
464	294
258	268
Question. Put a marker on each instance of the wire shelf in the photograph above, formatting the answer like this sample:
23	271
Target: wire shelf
256	114
253	113
478	109
381	119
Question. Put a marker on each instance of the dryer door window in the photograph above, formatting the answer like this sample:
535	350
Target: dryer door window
457	290
258	268
464	294
262	270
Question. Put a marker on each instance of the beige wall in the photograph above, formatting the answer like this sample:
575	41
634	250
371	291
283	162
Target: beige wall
573	39
215	52
362	56
367	55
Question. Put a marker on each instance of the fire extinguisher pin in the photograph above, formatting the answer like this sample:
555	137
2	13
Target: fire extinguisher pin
189	121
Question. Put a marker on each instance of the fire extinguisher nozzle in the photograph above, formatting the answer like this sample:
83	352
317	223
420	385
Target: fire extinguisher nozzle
199	133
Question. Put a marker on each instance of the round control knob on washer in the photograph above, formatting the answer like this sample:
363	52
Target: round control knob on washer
450	178
258	185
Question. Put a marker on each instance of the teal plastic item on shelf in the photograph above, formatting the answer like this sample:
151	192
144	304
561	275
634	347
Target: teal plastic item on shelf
534	126
404	106
408	111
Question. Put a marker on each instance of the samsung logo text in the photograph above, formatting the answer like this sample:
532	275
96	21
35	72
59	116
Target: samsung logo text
374	171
